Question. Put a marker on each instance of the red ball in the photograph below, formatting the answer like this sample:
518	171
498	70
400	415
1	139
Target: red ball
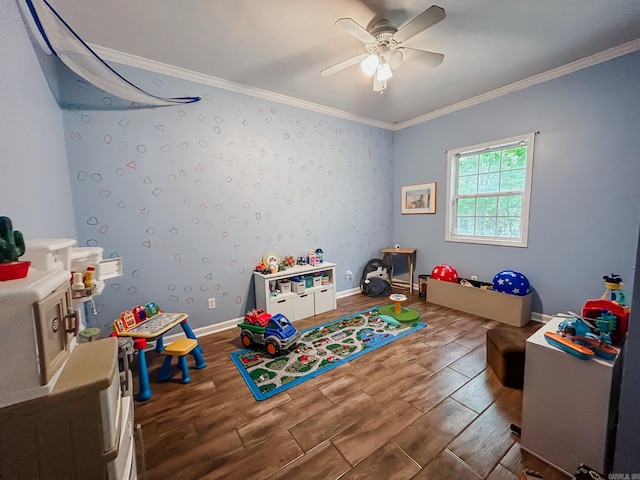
445	272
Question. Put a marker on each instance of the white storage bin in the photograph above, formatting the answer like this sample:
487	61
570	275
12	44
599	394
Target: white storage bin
284	286
304	305
324	300
283	306
298	287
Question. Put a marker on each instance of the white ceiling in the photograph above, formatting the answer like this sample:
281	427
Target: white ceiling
281	46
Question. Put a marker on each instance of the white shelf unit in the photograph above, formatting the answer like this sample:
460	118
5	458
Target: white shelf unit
295	306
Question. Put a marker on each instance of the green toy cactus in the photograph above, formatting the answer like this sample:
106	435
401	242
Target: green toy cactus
11	242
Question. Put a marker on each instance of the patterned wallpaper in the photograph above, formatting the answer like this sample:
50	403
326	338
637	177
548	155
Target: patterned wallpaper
193	196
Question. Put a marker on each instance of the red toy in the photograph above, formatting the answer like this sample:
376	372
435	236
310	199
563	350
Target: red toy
128	320
593	309
257	317
445	272
139	313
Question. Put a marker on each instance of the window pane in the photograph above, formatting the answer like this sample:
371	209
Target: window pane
509	227
468	165
489	162
486	226
514	158
510	205
512	180
490	192
468	185
466	206
465	226
488	182
487	206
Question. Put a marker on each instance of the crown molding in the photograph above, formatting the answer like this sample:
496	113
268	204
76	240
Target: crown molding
163	68
184	74
589	61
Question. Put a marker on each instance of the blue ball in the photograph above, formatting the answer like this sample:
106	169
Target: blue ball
511	282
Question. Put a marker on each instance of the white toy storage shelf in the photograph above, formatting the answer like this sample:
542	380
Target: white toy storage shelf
299	301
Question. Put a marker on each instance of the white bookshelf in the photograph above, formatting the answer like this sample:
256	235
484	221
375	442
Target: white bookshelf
293	305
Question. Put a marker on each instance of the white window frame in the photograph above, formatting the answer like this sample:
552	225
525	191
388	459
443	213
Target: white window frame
453	157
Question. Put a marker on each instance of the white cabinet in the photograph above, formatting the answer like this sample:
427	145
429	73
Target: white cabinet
319	298
37	334
325	299
82	430
569	405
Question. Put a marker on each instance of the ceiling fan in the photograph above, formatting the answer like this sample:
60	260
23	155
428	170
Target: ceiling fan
385	51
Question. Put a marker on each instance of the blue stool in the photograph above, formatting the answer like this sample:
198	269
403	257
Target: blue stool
180	348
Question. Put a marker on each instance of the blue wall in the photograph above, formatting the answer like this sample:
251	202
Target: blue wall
584	205
34	177
193	196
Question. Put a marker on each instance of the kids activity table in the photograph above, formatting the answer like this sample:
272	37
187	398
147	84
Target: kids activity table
154	328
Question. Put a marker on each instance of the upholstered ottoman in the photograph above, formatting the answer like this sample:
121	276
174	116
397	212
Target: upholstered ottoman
505	355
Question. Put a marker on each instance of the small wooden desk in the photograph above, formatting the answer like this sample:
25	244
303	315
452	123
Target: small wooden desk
411	254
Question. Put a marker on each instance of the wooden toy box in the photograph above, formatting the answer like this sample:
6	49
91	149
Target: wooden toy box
510	309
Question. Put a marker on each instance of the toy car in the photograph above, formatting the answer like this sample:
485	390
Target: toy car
257	317
278	334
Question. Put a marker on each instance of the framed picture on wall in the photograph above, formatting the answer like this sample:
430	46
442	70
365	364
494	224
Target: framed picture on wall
420	198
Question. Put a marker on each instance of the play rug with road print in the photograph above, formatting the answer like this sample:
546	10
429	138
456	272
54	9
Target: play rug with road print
320	349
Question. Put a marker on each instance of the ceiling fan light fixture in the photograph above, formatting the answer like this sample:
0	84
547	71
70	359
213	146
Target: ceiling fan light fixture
379	86
393	58
370	64
384	72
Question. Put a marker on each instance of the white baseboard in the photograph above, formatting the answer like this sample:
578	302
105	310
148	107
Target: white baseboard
348	293
540	317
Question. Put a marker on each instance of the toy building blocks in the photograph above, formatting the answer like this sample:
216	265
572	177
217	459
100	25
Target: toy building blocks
278	335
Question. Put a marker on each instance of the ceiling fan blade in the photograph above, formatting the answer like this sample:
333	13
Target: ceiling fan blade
428	59
342	65
426	19
351	27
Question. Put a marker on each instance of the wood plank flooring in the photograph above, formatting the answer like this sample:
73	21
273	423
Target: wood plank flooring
423	407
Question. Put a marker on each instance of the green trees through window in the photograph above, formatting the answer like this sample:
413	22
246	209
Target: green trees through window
489	192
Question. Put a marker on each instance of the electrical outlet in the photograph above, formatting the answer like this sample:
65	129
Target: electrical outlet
474	277
349	274
212	303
